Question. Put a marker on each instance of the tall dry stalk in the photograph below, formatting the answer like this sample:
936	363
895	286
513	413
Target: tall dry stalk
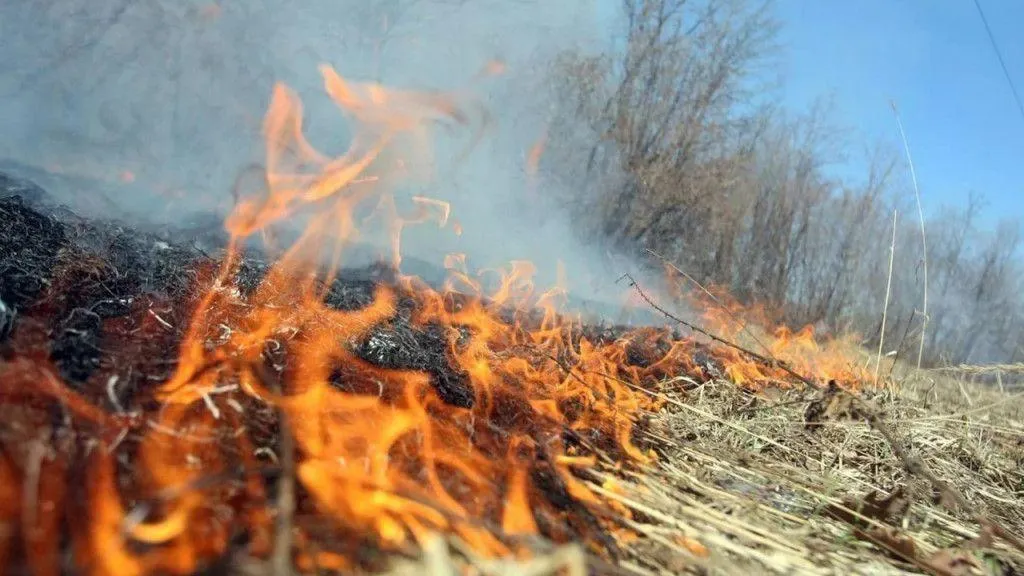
888	291
924	241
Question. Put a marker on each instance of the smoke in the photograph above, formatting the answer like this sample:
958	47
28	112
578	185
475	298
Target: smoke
150	111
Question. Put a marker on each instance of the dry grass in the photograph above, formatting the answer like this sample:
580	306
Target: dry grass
744	486
762	493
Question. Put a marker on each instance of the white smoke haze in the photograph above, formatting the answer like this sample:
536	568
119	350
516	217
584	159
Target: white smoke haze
149	111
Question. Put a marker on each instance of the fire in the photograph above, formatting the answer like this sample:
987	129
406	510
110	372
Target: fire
384	453
492	452
754	328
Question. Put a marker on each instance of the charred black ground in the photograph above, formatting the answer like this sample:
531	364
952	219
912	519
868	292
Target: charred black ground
97	273
77	294
80	277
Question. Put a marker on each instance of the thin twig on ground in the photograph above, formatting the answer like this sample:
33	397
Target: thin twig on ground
282	554
736	319
768	360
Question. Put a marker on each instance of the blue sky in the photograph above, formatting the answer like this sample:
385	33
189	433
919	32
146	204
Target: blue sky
934	59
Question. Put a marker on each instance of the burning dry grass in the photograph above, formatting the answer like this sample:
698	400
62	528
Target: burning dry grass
760	491
743	485
284	418
757	475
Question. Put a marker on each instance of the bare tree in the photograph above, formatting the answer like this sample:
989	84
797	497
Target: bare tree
669	105
661	144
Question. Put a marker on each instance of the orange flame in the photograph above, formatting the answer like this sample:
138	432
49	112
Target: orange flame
389	457
755	328
384	455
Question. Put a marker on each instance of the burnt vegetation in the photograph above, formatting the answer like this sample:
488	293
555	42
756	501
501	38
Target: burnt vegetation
670	148
107	307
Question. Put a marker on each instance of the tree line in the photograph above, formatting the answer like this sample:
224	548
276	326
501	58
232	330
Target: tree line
670	139
672	142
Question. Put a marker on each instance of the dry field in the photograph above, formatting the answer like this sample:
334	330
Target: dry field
796	482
